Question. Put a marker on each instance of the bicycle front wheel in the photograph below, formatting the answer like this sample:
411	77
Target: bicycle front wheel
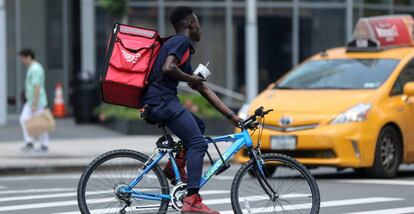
100	186
294	188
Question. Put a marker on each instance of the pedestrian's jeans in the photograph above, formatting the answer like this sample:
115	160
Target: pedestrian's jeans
189	128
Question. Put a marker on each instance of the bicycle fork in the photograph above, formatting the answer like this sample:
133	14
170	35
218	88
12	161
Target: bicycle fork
260	175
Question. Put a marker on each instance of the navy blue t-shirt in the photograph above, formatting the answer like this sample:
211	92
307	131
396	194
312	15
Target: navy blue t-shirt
163	85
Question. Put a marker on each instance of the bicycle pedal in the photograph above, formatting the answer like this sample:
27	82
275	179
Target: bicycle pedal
222	169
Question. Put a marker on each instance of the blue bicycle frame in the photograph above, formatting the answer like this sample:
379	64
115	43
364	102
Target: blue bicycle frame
239	140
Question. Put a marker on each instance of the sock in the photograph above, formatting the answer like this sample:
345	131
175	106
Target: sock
192	191
180	155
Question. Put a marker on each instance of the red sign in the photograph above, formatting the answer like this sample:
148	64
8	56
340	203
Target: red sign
387	31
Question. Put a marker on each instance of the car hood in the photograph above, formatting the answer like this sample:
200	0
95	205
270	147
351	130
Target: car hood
310	106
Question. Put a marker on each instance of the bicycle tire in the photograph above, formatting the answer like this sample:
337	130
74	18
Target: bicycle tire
139	157
280	158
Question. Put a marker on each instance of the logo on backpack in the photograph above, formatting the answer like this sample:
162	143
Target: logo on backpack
131	57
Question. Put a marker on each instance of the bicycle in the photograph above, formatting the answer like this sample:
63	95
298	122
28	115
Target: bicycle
267	183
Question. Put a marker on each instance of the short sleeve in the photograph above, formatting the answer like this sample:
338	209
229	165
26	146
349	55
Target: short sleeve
178	46
37	76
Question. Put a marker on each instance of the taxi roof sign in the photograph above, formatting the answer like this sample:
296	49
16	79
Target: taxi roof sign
382	32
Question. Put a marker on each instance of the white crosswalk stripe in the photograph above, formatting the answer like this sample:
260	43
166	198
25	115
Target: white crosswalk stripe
323	204
40	177
378	181
207	202
73	193
56	195
25	191
70	202
402	210
215	197
77	176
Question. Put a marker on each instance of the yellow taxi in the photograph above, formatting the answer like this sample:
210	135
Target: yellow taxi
347	107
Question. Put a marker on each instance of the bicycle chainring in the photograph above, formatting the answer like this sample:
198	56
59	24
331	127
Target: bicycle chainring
178	193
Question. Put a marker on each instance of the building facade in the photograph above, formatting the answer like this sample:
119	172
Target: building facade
70	36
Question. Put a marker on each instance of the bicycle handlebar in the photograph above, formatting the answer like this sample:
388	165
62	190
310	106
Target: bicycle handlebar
251	122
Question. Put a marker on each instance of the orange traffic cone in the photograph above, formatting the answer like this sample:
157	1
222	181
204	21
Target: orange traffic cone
59	103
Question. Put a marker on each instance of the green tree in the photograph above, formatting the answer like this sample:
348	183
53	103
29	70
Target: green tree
117	8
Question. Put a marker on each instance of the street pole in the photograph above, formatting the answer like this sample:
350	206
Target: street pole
161	17
295	33
18	46
251	50
229	48
3	67
349	20
88	38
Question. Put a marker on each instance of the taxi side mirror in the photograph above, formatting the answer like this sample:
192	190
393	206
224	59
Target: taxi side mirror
409	89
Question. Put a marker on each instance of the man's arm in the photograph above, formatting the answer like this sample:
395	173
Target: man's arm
35	99
170	67
214	100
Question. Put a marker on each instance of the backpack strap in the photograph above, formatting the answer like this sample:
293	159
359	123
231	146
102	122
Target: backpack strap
185	58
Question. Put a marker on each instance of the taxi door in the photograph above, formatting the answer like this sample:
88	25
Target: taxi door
405	109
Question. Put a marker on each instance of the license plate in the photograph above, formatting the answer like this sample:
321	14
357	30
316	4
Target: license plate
283	142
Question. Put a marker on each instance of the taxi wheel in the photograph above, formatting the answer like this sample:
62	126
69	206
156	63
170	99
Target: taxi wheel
388	154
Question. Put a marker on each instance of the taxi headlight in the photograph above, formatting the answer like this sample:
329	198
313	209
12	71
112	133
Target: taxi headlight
357	113
244	111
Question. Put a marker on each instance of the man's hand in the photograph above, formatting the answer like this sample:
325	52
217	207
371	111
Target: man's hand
196	82
34	108
236	120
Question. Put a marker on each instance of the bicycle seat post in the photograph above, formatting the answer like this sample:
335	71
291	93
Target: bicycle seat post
164	132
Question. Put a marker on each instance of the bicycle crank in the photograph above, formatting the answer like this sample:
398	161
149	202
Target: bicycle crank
178	193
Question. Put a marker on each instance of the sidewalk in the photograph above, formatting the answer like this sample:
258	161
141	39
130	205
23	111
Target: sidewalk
72	147
65	129
74	154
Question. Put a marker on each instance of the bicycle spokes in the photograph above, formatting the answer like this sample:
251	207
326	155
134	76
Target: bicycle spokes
108	187
278	187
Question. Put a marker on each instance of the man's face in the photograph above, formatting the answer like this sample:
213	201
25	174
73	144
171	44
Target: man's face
25	60
195	29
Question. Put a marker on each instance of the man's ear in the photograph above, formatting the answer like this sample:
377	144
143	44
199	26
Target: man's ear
190	24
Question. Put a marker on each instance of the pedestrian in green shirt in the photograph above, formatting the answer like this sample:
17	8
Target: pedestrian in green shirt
36	100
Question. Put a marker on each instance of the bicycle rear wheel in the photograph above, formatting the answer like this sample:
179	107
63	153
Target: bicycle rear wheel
297	191
99	185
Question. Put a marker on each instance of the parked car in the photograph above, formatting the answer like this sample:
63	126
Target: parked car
346	107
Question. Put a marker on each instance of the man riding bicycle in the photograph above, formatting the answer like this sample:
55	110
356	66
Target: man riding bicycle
161	105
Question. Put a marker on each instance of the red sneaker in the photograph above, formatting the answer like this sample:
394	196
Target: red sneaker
194	205
181	161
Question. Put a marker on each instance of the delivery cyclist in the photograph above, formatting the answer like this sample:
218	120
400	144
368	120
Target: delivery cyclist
161	105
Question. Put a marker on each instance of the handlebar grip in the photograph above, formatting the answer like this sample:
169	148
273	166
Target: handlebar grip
249	123
259	111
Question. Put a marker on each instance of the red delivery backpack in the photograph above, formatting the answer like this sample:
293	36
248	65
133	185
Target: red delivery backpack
130	56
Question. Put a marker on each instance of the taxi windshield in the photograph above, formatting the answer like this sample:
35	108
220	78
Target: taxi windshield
339	74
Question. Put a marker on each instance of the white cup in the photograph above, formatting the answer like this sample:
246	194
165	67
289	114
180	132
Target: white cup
202	71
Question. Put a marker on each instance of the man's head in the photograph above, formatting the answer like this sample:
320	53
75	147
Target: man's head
26	56
183	19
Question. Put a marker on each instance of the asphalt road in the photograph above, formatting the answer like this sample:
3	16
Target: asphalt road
343	192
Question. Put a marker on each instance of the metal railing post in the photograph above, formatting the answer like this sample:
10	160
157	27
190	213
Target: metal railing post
3	67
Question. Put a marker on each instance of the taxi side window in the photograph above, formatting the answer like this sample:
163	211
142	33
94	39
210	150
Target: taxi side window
406	75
